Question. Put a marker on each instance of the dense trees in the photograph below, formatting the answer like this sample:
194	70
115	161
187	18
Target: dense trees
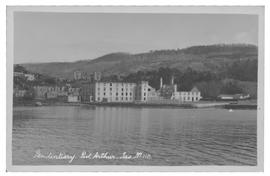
211	49
211	84
244	70
19	68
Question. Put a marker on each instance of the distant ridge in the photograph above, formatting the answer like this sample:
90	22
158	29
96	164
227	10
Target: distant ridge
214	58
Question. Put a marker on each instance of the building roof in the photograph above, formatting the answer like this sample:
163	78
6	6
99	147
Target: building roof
194	89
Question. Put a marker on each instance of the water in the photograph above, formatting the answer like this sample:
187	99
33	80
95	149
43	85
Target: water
164	136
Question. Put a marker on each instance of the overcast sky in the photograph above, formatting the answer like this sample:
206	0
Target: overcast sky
54	37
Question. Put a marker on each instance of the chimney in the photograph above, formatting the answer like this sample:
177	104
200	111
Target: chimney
161	83
172	81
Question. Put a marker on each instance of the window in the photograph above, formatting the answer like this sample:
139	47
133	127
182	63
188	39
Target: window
116	93
104	93
144	94
110	89
126	94
130	94
110	84
104	89
122	89
126	98
122	94
144	98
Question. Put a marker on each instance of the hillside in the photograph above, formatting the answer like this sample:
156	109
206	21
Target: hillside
213	58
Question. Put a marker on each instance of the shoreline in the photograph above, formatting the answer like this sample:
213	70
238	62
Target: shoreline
194	105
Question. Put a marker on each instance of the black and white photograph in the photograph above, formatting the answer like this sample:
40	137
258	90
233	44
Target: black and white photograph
134	86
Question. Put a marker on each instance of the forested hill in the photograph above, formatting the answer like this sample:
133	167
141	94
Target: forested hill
213	58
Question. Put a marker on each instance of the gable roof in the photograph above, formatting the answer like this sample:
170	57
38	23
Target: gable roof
194	89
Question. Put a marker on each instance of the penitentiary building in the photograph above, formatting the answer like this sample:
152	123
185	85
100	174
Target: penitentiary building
118	92
114	92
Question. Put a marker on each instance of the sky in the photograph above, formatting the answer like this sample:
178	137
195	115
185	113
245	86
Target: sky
68	37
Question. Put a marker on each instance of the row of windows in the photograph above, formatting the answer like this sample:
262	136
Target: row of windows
117	94
190	98
117	99
189	93
104	89
116	84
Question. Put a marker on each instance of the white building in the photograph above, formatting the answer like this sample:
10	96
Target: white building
74	98
190	96
113	92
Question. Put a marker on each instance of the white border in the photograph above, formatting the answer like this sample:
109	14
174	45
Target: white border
194	9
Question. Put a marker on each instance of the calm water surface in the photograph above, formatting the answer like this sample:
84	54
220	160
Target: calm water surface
170	136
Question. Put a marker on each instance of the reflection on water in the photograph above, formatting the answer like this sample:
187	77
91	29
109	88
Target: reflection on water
170	136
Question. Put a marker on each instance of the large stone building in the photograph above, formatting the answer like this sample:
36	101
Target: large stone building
117	92
114	92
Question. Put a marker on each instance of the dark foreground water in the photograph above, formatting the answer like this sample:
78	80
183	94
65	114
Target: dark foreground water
133	136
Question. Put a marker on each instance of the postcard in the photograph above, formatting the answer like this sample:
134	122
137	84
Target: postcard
126	88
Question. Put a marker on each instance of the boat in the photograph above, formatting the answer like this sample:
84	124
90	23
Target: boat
38	103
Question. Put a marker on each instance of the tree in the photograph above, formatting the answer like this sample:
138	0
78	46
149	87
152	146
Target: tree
231	87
